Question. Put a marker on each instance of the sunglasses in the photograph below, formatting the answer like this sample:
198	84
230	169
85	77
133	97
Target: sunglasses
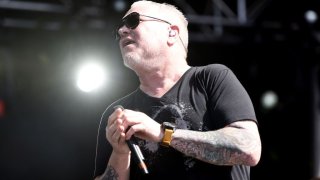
132	21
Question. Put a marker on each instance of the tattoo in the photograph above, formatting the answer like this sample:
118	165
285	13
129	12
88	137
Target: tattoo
219	147
110	174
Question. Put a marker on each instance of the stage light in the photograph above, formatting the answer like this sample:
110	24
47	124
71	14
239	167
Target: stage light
311	16
90	77
119	5
269	100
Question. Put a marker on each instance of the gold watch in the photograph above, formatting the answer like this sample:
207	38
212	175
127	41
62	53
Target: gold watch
168	129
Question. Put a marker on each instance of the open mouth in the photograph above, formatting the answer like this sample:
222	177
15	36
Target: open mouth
127	42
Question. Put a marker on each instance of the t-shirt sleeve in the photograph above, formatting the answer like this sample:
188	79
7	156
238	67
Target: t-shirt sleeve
229	101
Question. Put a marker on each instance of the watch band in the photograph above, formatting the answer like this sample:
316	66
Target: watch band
168	129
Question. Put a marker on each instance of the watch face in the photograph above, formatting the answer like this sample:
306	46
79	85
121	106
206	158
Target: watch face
168	125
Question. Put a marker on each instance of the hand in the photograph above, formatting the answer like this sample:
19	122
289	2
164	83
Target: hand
142	126
115	132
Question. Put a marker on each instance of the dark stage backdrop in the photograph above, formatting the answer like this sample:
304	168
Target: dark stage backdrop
48	127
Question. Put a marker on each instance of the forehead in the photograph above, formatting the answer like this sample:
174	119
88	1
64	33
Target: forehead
144	9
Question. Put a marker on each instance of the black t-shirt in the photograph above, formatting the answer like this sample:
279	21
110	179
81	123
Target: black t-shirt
205	98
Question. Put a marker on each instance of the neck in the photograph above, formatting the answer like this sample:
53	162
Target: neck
158	82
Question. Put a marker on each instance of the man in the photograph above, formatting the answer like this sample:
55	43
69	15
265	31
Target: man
189	122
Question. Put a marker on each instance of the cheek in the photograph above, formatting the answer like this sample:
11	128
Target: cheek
154	41
152	33
149	40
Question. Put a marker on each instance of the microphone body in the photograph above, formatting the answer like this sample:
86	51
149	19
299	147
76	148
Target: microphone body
137	156
136	153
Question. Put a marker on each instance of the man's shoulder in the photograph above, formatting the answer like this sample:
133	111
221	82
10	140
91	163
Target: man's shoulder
211	69
216	67
123	101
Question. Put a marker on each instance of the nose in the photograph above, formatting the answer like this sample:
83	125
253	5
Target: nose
122	31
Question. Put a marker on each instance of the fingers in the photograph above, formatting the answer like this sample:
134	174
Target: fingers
123	124
113	119
117	131
115	115
140	128
114	127
120	121
131	118
113	131
140	125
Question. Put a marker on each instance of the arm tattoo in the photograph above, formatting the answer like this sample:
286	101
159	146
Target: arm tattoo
219	147
111	174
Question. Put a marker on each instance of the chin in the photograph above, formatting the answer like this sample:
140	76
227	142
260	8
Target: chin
130	60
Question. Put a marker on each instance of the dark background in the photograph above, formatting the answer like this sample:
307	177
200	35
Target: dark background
48	127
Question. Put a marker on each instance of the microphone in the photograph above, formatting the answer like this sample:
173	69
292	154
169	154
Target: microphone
135	151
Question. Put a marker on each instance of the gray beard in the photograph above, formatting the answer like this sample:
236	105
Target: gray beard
134	61
131	61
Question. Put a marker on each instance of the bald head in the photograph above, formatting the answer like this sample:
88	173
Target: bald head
169	13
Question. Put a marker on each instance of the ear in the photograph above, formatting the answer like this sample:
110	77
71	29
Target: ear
173	34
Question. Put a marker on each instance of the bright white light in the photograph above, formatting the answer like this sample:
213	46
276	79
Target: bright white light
269	100
90	77
311	16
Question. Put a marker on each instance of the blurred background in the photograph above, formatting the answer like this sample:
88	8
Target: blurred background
60	67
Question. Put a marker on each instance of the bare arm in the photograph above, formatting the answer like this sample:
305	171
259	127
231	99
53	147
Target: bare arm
237	143
117	168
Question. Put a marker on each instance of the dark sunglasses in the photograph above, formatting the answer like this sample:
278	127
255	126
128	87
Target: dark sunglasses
132	21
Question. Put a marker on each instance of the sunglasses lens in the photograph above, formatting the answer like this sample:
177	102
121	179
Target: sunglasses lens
132	20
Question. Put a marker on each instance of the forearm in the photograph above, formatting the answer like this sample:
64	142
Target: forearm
118	168
228	146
